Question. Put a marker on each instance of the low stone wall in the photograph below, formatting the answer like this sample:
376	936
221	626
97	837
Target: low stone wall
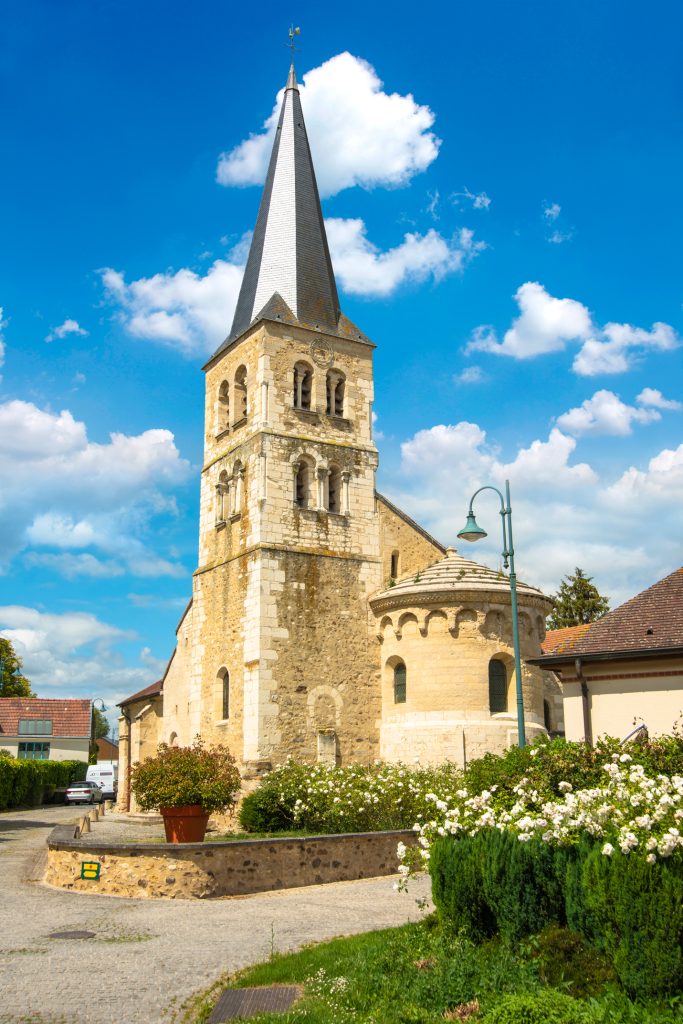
206	870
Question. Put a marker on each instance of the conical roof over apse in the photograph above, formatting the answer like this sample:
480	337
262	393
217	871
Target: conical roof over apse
288	275
447	579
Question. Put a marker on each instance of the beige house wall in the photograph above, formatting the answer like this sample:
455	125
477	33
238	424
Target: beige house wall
623	694
62	748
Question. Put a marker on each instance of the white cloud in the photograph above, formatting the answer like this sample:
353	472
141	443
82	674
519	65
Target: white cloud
359	134
362	269
557	237
61	490
71	566
660	486
438	450
564	514
551	211
654	398
479	200
184	310
68	327
74	654
547	324
471	375
193	314
605	413
619	347
3	323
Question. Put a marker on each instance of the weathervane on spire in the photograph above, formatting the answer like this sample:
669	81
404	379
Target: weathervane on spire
292	33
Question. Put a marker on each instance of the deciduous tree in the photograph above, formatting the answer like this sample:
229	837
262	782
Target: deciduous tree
13	683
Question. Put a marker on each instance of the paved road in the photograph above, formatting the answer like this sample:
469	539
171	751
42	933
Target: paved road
149	955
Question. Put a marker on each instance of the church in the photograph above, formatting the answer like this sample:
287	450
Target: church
324	624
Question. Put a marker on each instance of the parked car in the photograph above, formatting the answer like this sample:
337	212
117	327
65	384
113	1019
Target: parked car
84	793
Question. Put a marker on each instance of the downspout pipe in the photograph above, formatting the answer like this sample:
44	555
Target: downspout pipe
585	703
126	715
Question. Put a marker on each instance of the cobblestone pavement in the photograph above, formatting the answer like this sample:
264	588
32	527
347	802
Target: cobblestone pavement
149	955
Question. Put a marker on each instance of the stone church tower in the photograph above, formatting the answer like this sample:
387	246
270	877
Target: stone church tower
280	656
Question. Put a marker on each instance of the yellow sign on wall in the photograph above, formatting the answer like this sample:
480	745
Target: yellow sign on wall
90	869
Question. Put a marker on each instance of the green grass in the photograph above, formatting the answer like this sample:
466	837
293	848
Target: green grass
416	974
226	837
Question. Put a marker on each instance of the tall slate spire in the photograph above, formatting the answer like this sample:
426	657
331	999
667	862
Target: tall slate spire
289	260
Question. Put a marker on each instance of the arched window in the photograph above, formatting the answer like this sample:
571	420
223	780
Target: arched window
222	695
498	686
240	395
223	408
335	393
399	683
303	381
222	498
547	720
394	565
226	695
237	488
302	483
334	490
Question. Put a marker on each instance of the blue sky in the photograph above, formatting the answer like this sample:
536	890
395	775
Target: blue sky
502	189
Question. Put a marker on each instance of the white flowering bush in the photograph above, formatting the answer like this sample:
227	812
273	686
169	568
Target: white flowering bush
630	811
356	798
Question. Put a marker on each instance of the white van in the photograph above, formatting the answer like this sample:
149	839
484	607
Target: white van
106	775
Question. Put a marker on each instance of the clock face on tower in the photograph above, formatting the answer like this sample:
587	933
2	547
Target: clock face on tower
322	352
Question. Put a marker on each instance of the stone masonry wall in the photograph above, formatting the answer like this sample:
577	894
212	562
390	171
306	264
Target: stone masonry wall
415	549
205	870
446	651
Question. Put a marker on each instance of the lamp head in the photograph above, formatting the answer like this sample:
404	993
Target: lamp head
471	531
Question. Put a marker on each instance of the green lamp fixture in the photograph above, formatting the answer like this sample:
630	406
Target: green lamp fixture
471	531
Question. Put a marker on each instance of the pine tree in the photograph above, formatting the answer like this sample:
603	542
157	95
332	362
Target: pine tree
577	602
12	682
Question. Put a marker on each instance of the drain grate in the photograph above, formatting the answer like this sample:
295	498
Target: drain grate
247	1002
72	935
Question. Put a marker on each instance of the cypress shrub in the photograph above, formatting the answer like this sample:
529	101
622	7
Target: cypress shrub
635	912
520	883
456	869
583	914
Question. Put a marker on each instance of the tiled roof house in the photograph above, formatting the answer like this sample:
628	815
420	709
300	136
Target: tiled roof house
624	670
37	728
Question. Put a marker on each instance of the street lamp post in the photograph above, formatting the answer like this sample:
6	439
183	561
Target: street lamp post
471	531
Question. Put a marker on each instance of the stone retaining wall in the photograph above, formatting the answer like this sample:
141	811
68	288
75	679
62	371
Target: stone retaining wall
206	870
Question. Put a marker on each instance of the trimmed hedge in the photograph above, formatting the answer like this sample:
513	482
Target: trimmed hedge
628	909
25	783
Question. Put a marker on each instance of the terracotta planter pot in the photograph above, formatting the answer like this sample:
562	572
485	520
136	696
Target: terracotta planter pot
184	824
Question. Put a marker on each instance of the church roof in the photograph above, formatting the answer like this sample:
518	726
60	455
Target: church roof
650	622
288	275
449	577
153	690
